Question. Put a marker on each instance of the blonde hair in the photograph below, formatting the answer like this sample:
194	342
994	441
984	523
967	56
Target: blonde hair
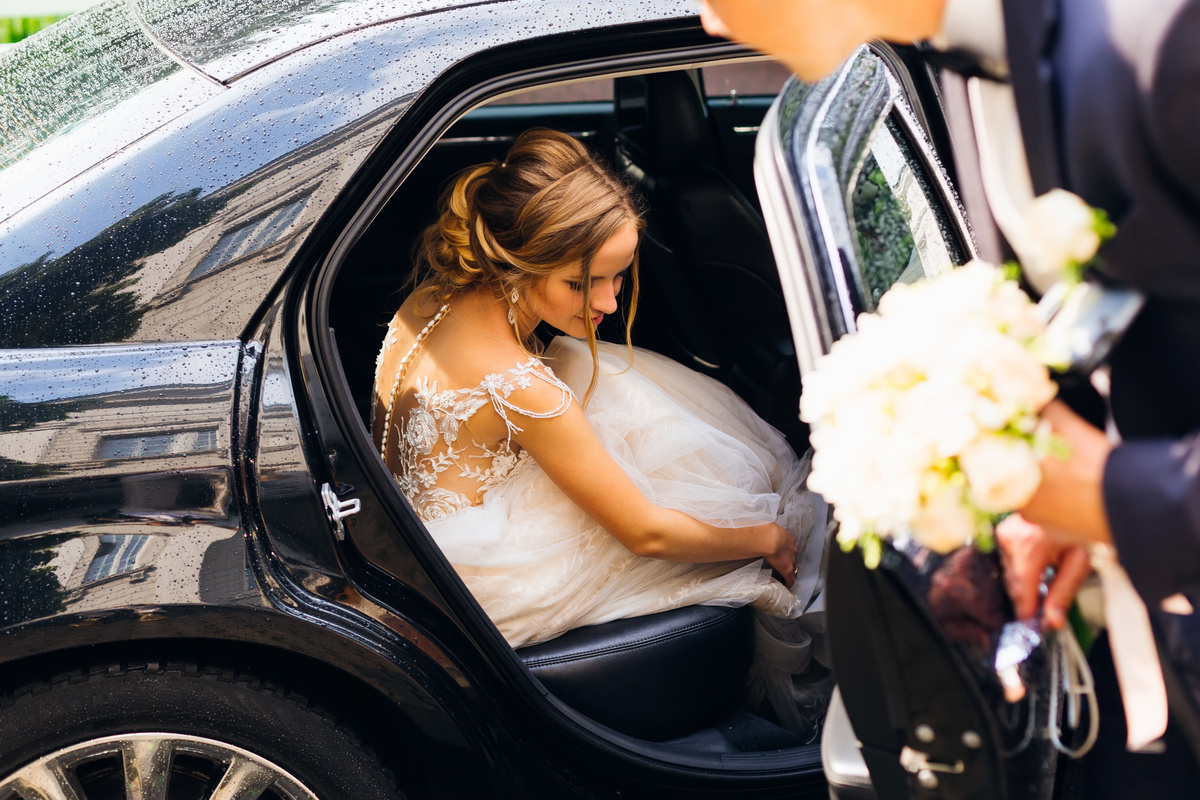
505	225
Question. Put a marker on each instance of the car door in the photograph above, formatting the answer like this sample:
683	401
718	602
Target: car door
856	200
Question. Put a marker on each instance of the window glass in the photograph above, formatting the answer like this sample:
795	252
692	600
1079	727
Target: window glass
897	229
594	91
80	90
78	69
749	79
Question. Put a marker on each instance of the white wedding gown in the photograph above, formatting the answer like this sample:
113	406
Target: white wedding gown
540	566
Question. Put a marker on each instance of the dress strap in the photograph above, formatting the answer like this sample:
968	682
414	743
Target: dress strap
401	371
499	390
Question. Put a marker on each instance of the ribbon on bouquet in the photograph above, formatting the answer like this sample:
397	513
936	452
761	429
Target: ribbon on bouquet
1135	655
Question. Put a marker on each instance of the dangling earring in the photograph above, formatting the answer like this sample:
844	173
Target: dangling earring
515	297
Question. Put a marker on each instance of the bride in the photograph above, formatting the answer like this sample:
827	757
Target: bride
582	482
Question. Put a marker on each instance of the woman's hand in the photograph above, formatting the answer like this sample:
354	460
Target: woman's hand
783	557
566	447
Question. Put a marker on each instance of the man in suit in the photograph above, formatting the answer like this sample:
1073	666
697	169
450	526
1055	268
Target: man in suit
1103	100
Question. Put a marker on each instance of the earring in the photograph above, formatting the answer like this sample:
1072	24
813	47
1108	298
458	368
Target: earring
515	297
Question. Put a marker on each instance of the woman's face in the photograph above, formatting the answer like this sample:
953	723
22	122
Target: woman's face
558	299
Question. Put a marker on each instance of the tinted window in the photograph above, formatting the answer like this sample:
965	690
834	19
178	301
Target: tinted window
897	231
71	72
77	92
751	79
578	92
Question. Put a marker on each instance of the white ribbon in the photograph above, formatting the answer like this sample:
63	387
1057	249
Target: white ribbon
1134	653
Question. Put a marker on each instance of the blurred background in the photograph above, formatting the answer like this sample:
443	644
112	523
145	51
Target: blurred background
20	18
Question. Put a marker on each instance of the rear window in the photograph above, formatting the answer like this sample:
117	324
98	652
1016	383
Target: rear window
92	82
744	79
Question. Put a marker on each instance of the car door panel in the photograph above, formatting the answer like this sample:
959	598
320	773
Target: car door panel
855	202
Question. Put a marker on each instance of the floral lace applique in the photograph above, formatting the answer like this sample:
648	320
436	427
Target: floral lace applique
429	437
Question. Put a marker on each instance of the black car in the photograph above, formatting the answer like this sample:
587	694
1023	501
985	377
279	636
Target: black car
210	586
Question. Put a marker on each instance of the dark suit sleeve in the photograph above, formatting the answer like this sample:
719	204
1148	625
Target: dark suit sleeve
1173	76
1152	487
1152	496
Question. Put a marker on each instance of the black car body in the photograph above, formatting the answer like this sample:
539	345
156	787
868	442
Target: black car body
205	210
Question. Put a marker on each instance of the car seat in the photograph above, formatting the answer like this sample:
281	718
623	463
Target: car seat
707	261
655	677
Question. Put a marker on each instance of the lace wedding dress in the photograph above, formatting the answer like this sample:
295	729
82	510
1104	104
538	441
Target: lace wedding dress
540	566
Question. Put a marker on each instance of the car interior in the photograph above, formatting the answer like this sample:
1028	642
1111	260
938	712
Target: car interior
672	683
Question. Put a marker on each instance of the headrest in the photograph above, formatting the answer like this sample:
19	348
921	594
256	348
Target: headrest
662	120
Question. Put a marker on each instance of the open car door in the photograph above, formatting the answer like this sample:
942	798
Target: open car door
855	201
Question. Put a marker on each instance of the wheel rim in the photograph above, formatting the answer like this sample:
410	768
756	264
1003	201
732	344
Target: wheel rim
153	766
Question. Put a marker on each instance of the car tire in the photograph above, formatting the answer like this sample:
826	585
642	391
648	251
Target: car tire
190	724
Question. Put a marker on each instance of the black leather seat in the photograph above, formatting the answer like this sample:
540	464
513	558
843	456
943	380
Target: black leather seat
655	677
707	259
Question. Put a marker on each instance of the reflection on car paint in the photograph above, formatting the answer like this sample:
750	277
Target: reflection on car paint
123	458
252	237
77	571
110	422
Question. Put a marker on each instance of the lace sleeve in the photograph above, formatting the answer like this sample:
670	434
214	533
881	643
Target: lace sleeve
501	386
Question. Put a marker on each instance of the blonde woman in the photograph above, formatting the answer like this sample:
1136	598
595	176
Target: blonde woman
583	482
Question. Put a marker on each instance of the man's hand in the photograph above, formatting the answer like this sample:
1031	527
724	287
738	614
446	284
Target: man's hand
1066	513
1027	550
1069	503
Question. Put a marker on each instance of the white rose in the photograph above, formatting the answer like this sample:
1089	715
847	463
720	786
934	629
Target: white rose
1012	312
1016	377
939	412
945	522
868	474
998	367
962	292
1002	472
1060	229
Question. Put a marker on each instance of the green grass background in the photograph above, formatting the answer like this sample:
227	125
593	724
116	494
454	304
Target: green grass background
14	29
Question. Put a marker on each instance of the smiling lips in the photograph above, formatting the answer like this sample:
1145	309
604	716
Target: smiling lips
595	320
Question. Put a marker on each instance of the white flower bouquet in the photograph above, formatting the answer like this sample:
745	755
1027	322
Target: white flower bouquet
925	422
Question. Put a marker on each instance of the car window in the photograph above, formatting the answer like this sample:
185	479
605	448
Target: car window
80	90
853	198
897	231
747	79
591	91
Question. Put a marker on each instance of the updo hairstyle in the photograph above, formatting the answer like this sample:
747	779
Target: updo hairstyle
505	225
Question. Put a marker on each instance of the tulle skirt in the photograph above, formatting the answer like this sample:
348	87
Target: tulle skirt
540	566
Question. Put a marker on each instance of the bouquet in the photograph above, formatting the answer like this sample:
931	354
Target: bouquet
925	421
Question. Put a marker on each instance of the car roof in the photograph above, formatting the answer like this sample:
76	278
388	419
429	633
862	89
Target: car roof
89	86
227	38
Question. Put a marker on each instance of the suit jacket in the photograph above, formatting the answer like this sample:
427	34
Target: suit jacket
1108	96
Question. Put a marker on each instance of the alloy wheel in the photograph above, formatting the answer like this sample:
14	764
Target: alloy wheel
152	766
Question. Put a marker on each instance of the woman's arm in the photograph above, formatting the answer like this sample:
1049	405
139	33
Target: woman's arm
571	455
